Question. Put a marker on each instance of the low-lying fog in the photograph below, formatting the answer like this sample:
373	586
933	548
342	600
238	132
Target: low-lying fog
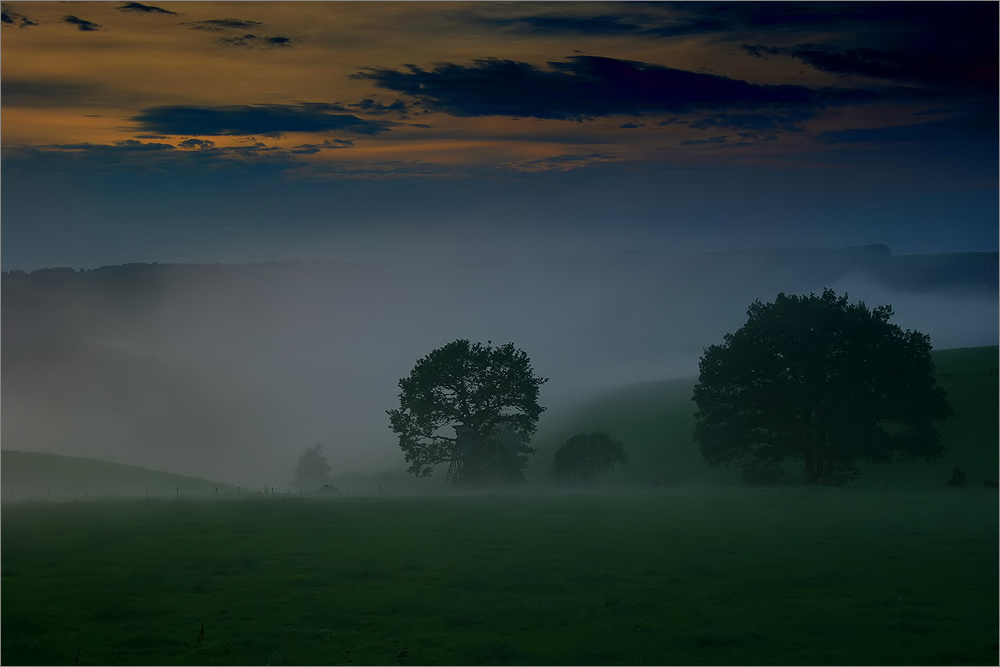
230	372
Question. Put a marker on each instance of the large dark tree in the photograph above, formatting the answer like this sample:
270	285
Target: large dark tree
821	381
472	406
586	455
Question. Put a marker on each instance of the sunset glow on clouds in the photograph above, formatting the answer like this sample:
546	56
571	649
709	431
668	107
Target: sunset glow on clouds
463	93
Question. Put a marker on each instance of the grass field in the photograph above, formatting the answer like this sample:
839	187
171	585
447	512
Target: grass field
747	576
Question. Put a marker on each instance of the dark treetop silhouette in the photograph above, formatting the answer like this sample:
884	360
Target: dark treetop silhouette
488	394
822	381
586	455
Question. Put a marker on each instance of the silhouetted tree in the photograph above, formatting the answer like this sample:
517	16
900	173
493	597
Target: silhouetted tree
822	381
489	395
585	455
312	471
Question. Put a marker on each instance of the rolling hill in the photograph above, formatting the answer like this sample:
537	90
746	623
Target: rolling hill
37	476
655	420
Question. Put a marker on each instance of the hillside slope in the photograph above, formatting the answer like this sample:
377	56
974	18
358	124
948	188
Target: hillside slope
655	420
36	476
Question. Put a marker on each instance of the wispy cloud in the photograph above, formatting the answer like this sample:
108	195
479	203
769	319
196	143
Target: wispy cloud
219	25
561	162
81	24
9	17
264	120
252	41
145	9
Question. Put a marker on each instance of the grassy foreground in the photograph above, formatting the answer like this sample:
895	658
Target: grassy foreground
739	576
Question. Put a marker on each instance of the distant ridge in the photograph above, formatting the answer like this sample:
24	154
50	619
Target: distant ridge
973	272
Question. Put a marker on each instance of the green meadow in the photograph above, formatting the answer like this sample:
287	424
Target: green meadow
896	569
747	576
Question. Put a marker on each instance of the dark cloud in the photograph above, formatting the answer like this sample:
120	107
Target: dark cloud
148	9
631	126
253	149
155	155
309	149
264	120
672	19
251	41
952	46
81	24
199	144
586	87
136	145
370	106
235	35
8	17
888	20
927	66
220	25
125	145
608	24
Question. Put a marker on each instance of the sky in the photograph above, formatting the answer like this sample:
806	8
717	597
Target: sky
251	131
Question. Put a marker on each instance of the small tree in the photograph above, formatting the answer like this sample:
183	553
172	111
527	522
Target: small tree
312	471
586	455
488	395
822	381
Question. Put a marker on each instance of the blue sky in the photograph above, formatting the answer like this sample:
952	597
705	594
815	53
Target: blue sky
230	131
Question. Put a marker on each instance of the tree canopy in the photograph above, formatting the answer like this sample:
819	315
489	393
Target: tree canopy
821	381
585	455
312	470
487	395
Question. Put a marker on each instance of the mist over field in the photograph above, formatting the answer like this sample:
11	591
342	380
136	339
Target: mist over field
228	372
